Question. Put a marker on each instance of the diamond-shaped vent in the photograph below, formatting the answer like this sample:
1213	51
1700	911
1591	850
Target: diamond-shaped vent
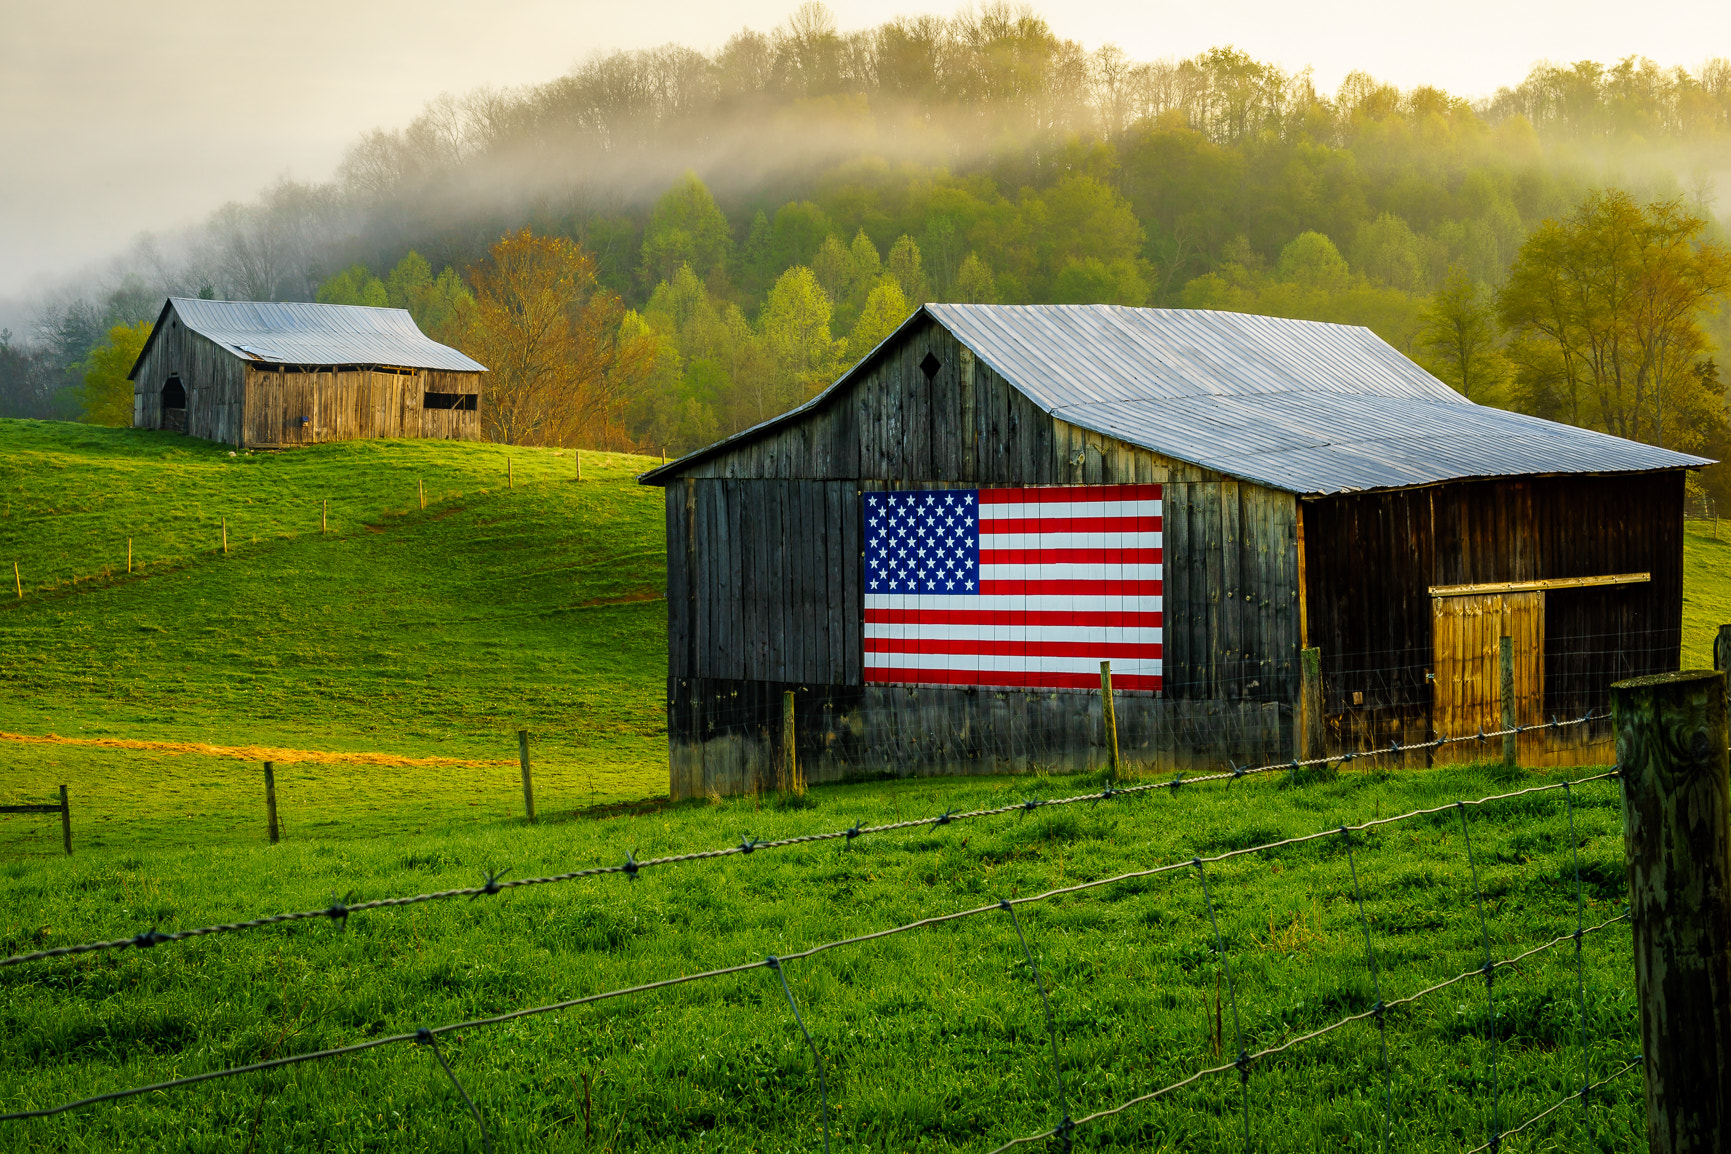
930	366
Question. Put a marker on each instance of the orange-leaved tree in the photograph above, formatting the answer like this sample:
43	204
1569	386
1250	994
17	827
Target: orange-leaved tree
560	369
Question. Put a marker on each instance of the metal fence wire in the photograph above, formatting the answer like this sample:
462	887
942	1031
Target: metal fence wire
1065	1129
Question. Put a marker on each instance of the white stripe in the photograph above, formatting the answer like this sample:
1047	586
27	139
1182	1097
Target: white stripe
1077	634
1071	571
1036	510
1070	541
1044	603
1009	662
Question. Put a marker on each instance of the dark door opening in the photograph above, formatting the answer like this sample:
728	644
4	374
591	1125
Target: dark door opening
174	405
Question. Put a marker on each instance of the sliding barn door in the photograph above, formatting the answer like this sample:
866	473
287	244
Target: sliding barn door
1467	691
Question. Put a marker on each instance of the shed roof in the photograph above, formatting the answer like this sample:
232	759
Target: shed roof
1301	406
300	333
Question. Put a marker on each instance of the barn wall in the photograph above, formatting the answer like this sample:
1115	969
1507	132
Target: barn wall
764	573
353	404
214	381
1370	560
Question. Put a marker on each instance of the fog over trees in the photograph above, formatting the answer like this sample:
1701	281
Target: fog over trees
735	228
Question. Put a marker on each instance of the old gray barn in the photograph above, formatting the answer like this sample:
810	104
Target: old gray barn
1317	489
269	375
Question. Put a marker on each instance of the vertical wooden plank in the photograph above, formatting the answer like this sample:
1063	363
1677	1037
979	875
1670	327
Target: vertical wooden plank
1231	644
1178	599
853	606
835	566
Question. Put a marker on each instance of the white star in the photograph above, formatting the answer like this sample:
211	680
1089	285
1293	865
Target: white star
950	585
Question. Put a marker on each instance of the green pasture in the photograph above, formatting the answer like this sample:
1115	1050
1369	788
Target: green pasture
416	642
932	1040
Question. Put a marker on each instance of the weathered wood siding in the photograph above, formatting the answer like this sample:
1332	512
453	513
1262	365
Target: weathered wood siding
214	380
1371	559
353	404
764	569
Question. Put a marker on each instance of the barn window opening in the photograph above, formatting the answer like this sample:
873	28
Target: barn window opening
930	366
464	402
173	394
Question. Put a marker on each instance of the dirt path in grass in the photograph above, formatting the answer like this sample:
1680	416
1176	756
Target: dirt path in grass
253	752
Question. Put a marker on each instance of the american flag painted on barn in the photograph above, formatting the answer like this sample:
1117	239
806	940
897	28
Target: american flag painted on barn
1013	587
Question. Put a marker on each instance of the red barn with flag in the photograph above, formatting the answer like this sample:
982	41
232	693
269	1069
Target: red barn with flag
936	554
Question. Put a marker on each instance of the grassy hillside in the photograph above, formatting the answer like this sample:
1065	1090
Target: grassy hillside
432	633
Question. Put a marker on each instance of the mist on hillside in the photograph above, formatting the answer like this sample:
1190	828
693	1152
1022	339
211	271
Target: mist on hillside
977	157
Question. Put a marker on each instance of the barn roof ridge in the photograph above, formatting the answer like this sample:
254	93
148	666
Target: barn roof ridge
1309	407
310	333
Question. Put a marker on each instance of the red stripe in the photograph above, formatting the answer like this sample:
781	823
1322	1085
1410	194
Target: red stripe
1055	493
1070	588
1073	556
1069	525
970	646
1012	617
1010	679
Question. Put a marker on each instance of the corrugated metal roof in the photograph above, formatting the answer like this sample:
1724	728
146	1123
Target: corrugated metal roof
298	333
1296	405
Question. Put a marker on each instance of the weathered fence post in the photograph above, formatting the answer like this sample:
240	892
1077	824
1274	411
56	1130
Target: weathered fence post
1677	843
421	491
129	555
17	580
528	784
1110	712
578	454
1506	667
509	483
65	822
270	799
325	517
1308	732
790	779
225	534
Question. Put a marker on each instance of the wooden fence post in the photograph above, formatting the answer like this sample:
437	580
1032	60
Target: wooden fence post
1109	710
790	779
1311	725
1506	666
225	534
129	556
421	491
1671	753
270	799
509	483
325	517
578	454
65	822
528	784
17	580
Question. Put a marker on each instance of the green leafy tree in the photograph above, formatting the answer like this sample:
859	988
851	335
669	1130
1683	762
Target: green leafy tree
1461	338
908	271
885	309
106	395
1606	306
354	286
795	325
974	284
687	227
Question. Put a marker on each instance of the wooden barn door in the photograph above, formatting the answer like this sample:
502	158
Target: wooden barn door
1467	691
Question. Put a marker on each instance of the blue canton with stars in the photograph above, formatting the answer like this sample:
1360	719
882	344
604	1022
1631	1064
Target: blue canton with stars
923	541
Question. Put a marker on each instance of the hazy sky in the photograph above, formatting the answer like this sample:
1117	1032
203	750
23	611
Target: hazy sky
117	118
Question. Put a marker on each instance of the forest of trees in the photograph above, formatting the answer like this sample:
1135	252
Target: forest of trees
726	232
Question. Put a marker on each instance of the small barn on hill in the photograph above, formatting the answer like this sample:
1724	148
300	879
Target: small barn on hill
270	375
936	553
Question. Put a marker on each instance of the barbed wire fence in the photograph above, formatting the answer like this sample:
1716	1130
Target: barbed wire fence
1062	1133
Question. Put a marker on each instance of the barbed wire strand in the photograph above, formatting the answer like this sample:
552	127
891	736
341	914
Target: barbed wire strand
1490	977
812	951
774	963
1580	963
1314	1034
1240	1062
1376	987
1064	1125
631	866
1581	1093
425	1037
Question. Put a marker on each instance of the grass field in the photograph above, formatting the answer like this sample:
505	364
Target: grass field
433	633
386	665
